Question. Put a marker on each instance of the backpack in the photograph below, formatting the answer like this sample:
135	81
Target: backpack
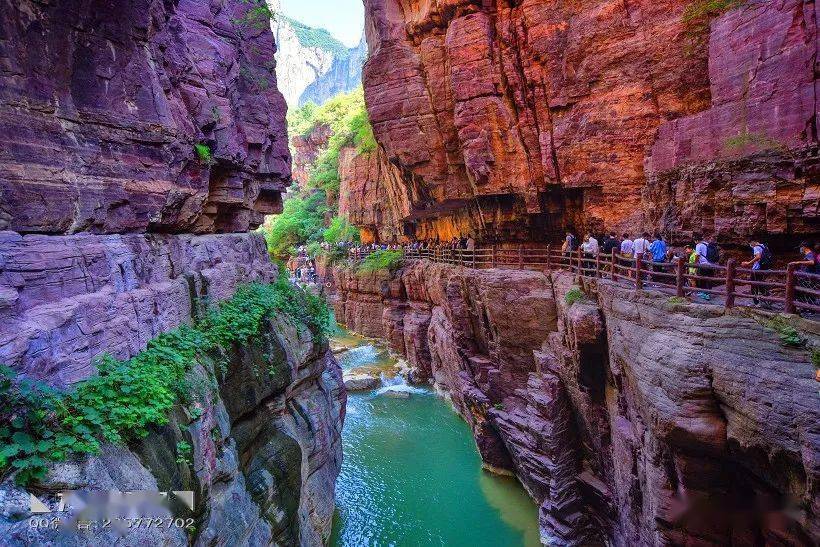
712	253
572	243
766	258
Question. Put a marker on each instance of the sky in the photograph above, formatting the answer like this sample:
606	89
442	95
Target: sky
343	18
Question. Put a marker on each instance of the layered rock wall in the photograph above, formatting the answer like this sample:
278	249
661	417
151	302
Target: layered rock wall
629	417
101	107
514	120
265	438
114	229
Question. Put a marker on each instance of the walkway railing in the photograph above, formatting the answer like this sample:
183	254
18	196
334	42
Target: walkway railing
789	289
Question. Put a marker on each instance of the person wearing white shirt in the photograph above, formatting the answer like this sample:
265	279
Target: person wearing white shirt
640	246
626	246
702	250
590	245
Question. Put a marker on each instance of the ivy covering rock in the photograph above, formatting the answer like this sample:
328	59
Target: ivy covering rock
125	399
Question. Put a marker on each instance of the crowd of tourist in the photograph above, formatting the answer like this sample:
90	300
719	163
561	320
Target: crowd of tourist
702	254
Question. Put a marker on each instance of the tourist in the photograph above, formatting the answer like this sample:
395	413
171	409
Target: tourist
761	260
691	257
610	243
470	243
808	265
704	269
658	250
712	250
590	249
570	243
627	246
590	246
640	246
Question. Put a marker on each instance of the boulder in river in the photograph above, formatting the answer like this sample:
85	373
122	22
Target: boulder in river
361	381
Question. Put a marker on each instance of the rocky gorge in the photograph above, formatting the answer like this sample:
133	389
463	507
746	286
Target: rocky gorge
517	120
630	418
141	141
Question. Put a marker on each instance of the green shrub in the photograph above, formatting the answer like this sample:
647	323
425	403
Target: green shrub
573	295
381	260
302	221
184	453
815	358
699	13
203	152
789	336
677	300
758	140
257	17
341	230
126	398
311	37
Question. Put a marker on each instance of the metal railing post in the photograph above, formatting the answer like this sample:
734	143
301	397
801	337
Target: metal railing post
598	265
493	256
549	259
638	279
679	278
520	256
791	279
731	268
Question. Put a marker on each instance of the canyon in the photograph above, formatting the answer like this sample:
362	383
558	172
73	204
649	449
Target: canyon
629	417
140	143
517	120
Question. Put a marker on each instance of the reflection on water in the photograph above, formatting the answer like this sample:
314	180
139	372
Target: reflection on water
412	475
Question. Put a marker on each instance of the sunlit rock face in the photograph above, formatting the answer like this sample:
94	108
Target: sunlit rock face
514	120
101	107
312	65
629	418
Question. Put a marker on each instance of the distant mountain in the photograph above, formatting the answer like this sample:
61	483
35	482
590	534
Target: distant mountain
345	74
311	64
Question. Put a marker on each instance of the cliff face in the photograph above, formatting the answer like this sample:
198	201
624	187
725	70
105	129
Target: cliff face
312	65
110	234
100	109
627	417
265	438
344	74
517	119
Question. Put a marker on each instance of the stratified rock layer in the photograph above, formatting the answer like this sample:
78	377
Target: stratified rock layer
629	418
101	107
65	300
265	438
514	120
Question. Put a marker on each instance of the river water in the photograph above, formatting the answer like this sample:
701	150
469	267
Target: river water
412	475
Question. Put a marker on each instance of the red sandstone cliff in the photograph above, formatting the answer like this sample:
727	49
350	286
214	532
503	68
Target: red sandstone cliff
517	119
629	418
101	106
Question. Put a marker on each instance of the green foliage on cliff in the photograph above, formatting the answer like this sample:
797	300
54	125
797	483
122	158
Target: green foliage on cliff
381	260
317	38
41	425
341	230
303	220
699	13
203	152
573	295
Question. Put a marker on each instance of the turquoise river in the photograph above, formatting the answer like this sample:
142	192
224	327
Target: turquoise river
412	475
